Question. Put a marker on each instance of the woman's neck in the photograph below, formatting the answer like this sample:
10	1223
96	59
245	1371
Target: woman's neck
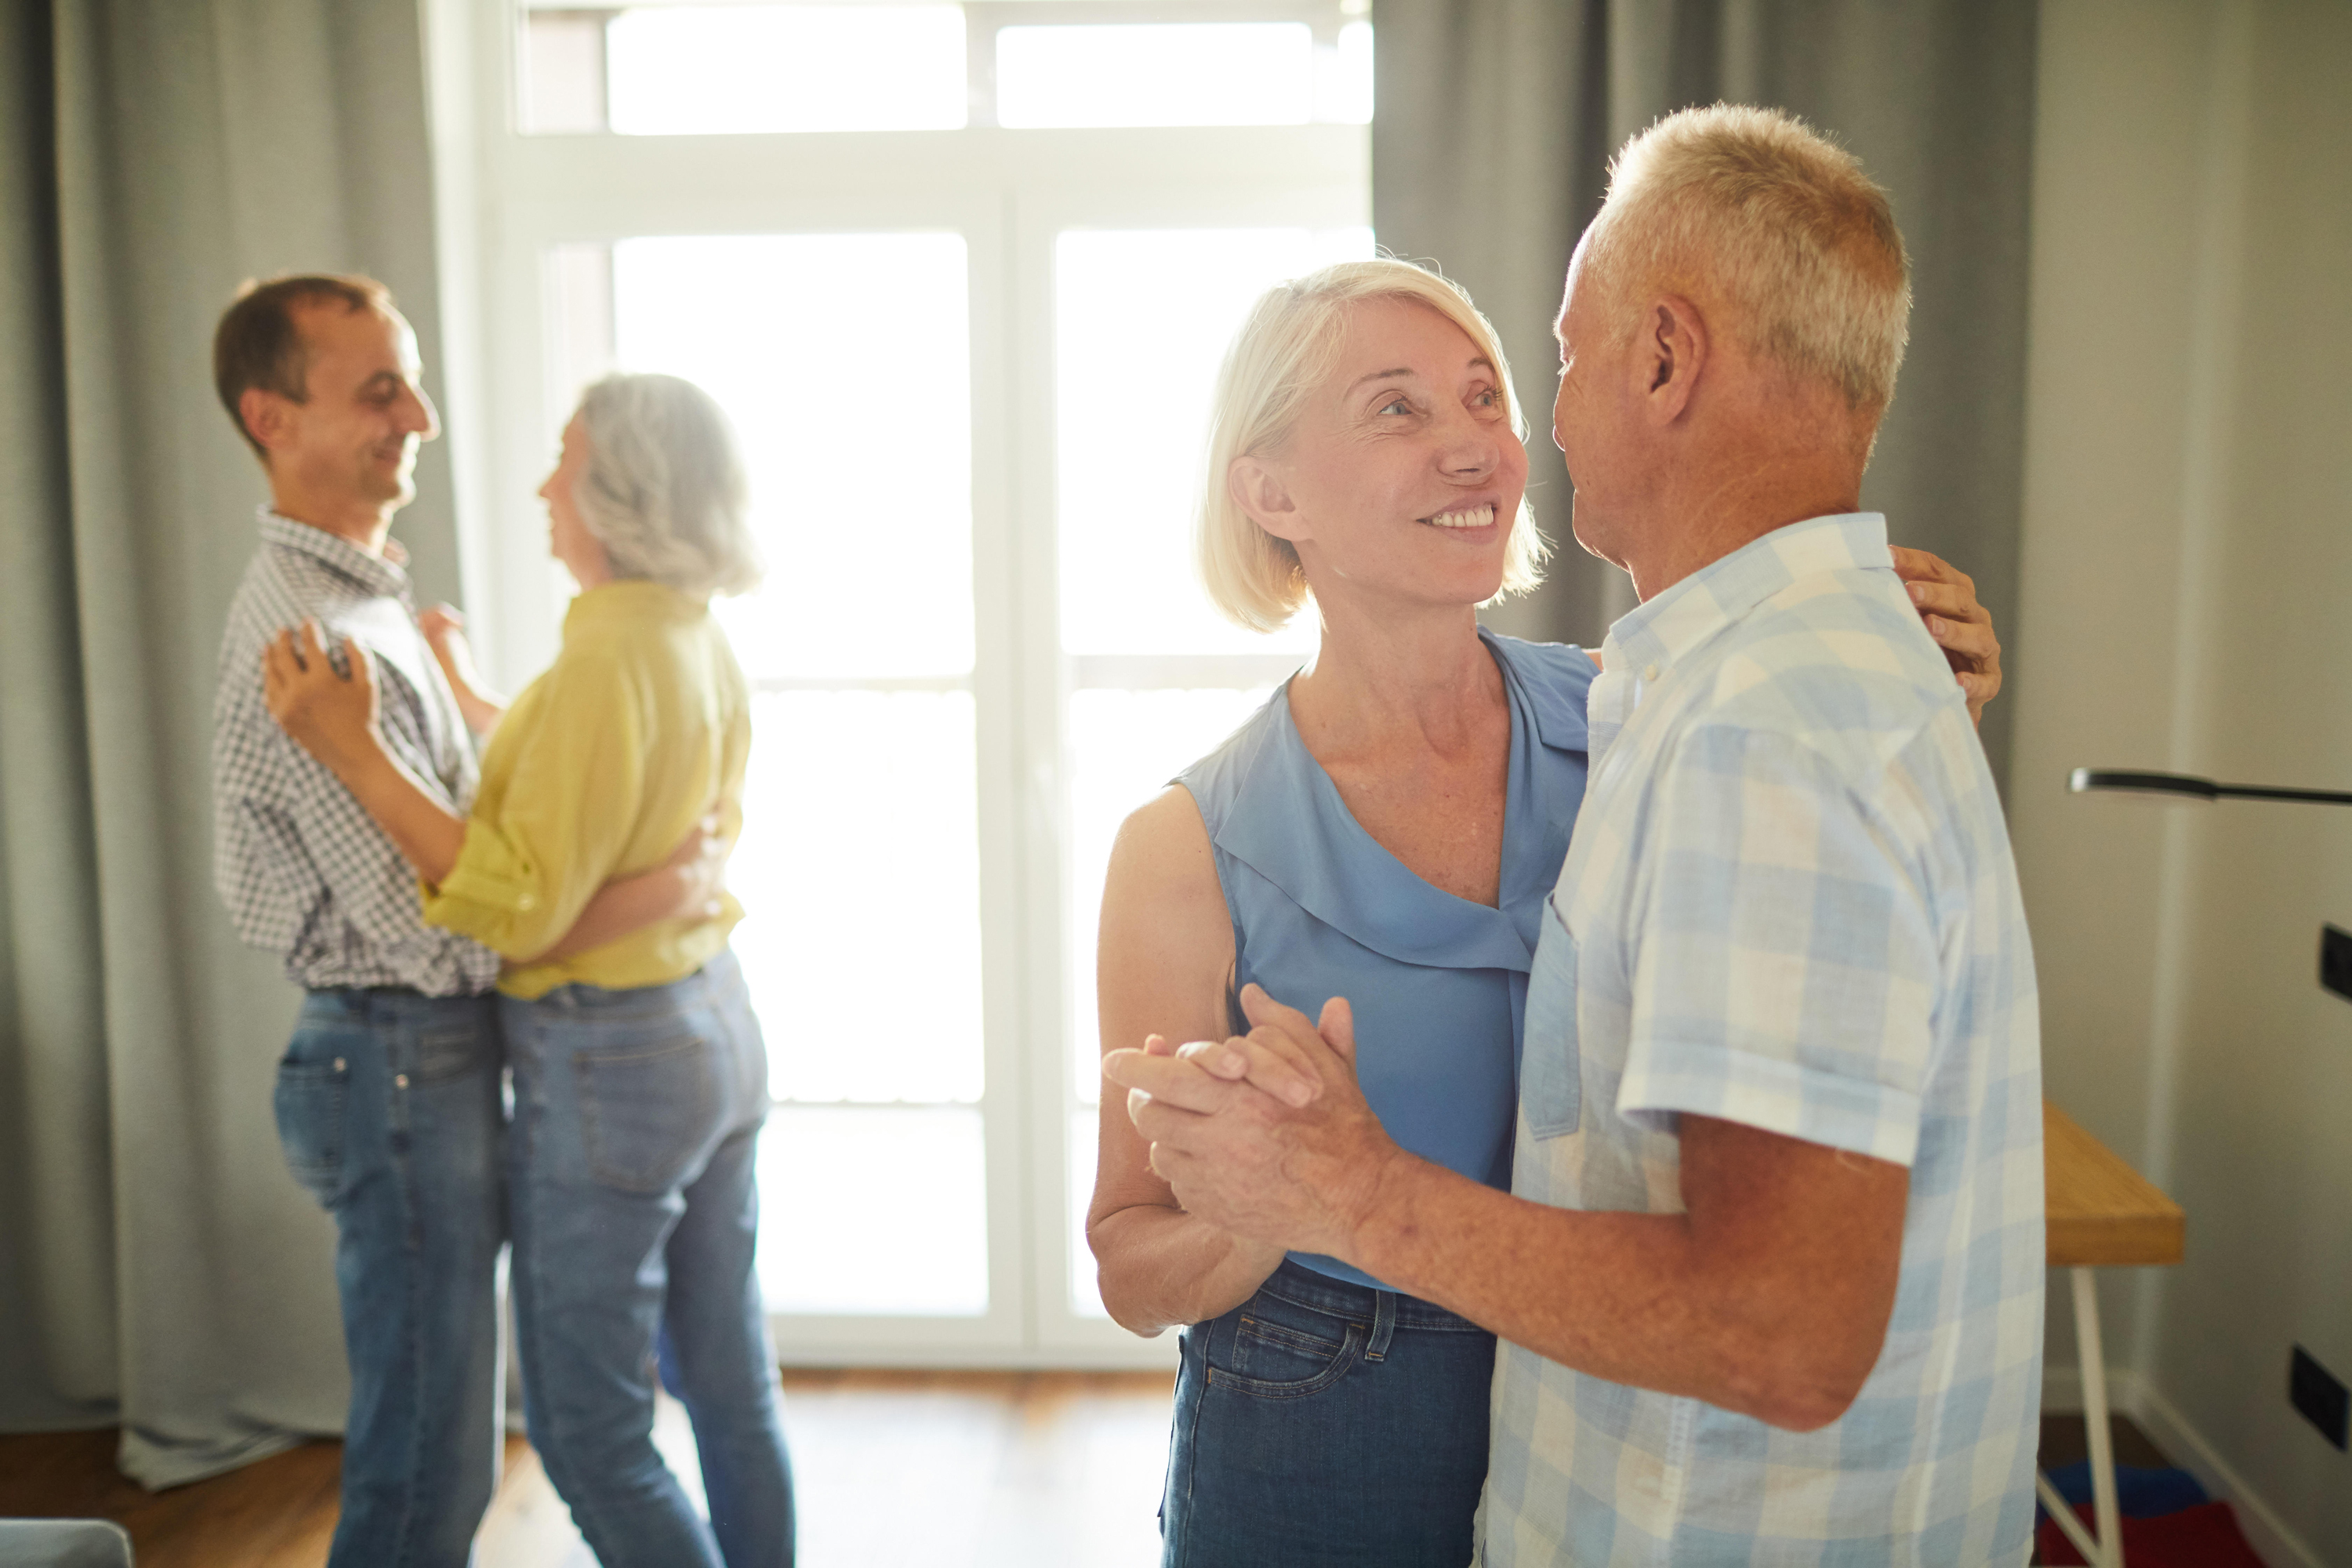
1387	677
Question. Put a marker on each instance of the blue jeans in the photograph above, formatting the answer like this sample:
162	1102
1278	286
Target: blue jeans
631	1185
389	1110
1323	1423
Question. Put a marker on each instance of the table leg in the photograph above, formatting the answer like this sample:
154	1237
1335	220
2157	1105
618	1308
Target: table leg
2107	1549
2096	1423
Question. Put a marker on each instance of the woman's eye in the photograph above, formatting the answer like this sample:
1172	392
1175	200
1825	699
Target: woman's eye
1396	405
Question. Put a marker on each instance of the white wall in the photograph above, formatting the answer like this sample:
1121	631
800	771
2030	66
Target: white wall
2187	586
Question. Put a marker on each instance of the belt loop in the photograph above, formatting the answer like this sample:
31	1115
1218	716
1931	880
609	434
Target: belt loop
1384	1324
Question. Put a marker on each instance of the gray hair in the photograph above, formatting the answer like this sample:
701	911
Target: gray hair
664	492
1753	206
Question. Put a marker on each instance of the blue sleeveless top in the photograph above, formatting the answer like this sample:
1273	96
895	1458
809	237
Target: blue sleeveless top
1439	984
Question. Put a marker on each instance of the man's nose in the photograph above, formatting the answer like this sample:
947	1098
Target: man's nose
418	415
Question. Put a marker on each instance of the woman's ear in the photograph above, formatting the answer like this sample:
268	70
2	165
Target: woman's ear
1259	490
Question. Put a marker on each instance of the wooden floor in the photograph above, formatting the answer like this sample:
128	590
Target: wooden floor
935	1469
890	1470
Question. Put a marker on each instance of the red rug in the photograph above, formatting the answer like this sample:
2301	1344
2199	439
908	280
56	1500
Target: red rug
2206	1536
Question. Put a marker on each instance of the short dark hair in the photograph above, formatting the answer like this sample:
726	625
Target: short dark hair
257	343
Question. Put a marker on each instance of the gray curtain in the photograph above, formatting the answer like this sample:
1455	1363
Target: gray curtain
1494	123
158	1269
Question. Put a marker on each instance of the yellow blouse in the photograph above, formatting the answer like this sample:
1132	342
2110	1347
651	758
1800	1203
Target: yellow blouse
599	770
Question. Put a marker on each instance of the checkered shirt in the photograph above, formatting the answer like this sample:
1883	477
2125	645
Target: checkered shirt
1789	903
304	871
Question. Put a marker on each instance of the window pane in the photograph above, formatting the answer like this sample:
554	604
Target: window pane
859	867
869	1210
1124	748
1343	78
1182	73
698	70
1142	319
562	59
843	360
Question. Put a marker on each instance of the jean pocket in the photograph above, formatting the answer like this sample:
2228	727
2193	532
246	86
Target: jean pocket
310	1100
1551	1087
1279	1351
648	1111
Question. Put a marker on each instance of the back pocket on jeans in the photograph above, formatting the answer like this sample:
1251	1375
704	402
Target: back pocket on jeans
310	1103
648	1111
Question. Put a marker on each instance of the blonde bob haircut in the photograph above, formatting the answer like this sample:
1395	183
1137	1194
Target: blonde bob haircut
1285	349
664	492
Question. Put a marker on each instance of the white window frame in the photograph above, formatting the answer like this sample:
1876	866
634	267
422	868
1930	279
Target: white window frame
505	199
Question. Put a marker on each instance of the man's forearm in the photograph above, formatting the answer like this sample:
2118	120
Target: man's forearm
1629	1298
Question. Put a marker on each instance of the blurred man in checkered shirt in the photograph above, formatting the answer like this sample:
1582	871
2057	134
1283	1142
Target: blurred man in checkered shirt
1769	1274
388	1100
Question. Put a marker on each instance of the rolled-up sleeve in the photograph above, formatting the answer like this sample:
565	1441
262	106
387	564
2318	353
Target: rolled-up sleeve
535	854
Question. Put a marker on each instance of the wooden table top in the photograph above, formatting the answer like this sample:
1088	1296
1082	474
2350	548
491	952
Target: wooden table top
2101	1213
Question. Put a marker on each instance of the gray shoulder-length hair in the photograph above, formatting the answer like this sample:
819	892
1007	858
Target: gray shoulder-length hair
663	491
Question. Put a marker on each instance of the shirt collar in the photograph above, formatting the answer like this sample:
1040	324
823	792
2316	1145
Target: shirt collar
1648	641
376	574
632	599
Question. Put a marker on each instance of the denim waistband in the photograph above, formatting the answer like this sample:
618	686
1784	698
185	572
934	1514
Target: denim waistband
397	1004
716	980
1303	1287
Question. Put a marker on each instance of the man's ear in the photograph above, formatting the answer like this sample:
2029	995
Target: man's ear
1673	354
1258	490
265	416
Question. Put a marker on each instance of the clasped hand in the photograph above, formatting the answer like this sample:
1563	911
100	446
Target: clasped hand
1266	1135
330	715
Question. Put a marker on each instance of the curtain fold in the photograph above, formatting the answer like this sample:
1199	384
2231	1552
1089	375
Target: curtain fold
1494	124
163	1271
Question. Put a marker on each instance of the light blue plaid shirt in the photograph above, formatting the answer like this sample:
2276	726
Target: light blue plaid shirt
1790	903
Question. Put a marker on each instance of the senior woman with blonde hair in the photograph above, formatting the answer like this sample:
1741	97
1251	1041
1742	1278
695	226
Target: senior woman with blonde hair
1386	829
640	1075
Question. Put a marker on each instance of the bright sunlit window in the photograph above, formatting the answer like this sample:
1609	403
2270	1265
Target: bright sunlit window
1243	73
741	69
962	277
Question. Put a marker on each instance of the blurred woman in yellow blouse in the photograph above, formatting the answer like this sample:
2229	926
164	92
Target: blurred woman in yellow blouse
640	1075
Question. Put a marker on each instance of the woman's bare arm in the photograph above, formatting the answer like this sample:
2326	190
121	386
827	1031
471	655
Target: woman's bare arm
1166	948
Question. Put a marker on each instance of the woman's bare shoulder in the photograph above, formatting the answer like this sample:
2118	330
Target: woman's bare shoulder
1163	848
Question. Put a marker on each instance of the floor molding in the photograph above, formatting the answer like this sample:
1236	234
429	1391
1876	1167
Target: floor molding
2129	1394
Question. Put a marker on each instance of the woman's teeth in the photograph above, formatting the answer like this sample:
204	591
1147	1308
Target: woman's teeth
1474	517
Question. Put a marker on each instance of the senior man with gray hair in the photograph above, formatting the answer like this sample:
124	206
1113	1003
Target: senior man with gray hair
1769	1274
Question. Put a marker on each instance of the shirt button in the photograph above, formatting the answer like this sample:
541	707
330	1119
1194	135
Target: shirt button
527	902
1649	672
400	1081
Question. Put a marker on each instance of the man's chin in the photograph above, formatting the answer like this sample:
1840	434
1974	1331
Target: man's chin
392	490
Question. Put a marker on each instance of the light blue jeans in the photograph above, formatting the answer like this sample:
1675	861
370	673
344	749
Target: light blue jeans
635	1209
388	1110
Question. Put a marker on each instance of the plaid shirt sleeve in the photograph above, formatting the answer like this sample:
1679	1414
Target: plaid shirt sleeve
1784	961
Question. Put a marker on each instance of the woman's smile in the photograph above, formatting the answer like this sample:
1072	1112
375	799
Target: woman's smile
1472	524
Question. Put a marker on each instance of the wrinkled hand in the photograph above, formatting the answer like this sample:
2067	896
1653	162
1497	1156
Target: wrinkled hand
1947	601
700	861
331	716
1296	1167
